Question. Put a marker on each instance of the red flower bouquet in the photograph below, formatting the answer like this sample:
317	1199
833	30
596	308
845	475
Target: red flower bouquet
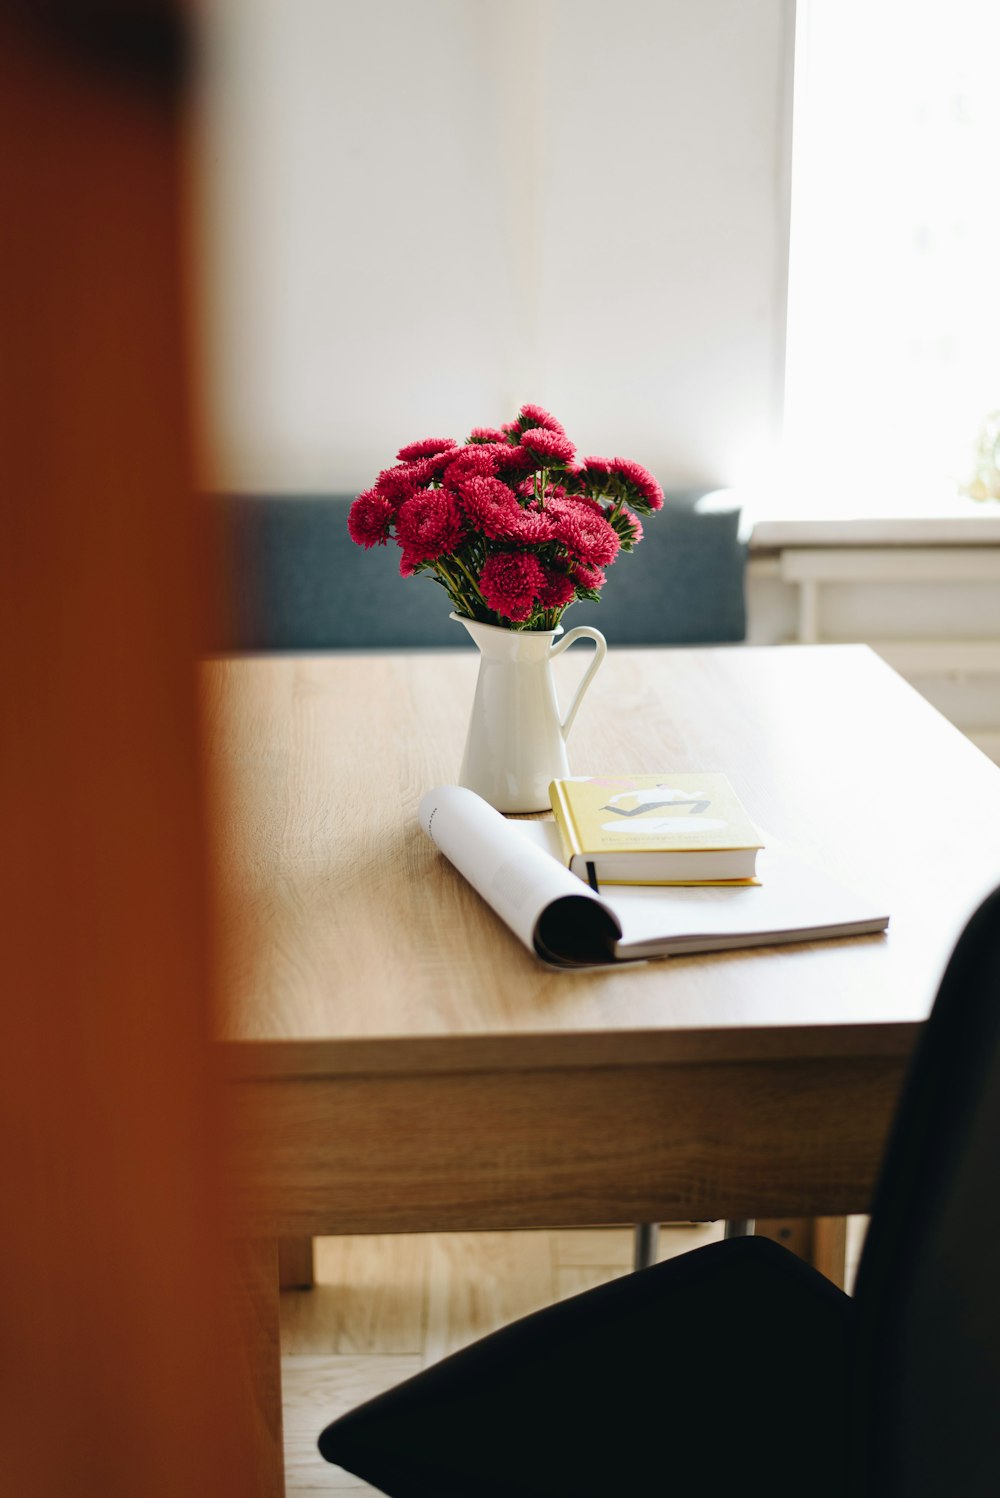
512	525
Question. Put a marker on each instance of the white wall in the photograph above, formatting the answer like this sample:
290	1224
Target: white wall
420	213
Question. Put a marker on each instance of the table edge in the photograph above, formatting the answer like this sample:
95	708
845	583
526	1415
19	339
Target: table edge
413	1055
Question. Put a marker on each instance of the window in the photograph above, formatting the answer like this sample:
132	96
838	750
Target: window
893	344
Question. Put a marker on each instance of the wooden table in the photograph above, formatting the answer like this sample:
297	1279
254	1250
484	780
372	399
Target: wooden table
400	1063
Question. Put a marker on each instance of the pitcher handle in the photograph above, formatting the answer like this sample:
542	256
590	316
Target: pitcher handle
582	632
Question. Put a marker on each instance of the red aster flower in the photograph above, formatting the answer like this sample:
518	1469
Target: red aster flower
585	502
642	491
474	460
512	462
427	469
370	518
533	527
490	506
510	582
588	537
441	500
561	505
596	471
425	449
557	591
398	484
548	447
429	525
590	578
537	416
488	460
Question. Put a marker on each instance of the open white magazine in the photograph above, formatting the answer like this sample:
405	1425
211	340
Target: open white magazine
517	868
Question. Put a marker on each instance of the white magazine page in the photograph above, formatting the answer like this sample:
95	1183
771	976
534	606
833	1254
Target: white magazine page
793	899
514	875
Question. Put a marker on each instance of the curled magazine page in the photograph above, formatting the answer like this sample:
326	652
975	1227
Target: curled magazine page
557	917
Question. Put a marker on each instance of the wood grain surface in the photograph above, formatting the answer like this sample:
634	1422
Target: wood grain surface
358	946
567	1146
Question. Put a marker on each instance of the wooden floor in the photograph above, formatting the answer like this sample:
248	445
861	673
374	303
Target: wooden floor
383	1308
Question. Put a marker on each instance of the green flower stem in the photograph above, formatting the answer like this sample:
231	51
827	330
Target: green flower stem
452	587
472	580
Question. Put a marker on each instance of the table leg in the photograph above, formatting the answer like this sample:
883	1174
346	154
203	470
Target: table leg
645	1244
295	1264
256	1288
821	1241
830	1248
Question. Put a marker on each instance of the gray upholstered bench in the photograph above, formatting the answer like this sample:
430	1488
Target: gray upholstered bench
299	582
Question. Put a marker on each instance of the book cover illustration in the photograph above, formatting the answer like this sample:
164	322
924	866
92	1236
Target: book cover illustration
615	813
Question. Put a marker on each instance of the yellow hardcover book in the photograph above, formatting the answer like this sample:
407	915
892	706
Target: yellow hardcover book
655	829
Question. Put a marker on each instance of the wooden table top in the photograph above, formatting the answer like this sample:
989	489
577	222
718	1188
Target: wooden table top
350	945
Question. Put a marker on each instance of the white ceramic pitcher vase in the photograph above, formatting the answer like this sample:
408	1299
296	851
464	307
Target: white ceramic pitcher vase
516	741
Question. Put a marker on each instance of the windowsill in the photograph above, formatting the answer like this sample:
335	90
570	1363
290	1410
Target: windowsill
968	523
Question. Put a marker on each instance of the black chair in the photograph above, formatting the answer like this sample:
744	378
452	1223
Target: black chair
739	1360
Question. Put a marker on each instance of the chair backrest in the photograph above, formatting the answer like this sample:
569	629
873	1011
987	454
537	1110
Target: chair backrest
927	1291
